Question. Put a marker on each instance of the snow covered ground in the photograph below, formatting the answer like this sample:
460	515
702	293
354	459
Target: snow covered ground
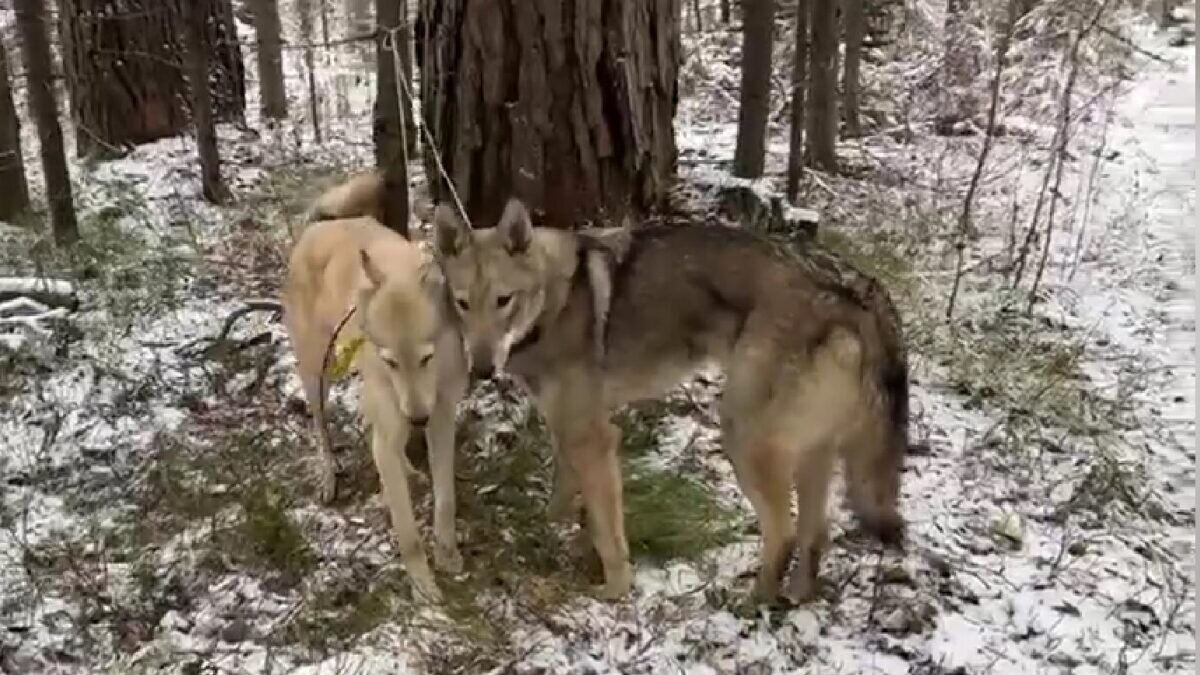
131	462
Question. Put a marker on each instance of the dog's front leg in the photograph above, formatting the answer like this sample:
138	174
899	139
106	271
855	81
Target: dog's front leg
439	438
387	446
591	449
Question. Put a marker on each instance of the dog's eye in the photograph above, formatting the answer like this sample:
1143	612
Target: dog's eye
389	361
463	305
425	360
503	300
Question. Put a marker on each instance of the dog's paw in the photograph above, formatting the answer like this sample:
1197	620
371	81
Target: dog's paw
801	588
616	587
447	558
426	591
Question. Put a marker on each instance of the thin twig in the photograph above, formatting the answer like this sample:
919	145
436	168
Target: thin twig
964	220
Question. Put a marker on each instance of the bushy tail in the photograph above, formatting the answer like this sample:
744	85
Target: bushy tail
875	460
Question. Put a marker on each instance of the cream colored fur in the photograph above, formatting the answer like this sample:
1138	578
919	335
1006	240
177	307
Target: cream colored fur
412	366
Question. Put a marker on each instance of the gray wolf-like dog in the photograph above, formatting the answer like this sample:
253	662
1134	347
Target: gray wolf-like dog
812	351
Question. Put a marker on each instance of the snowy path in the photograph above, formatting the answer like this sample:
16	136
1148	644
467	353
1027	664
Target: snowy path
1146	277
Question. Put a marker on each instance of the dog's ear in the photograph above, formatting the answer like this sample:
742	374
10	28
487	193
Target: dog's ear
432	279
450	232
370	269
515	228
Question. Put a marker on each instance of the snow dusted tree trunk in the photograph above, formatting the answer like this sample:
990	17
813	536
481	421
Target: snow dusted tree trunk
388	134
124	71
270	59
569	106
31	22
799	84
196	58
755	103
14	192
822	86
855	20
726	11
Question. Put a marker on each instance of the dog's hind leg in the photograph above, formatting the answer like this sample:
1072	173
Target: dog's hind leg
308	341
813	474
760	457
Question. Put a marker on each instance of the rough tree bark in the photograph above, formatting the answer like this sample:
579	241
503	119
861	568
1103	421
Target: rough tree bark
123	67
31	23
388	134
822	86
569	106
758	25
799	84
196	58
270	59
14	191
855	20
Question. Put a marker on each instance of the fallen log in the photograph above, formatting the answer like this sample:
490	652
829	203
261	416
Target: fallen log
49	292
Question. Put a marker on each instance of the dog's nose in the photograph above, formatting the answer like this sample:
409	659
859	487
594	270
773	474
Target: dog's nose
419	421
483	371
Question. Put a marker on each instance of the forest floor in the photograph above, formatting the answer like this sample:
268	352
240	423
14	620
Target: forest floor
156	513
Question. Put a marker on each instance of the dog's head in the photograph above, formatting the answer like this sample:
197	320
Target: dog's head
400	321
495	281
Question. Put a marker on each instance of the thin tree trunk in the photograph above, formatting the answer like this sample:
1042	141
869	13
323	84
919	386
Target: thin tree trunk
304	9
406	62
270	59
197	58
855	28
390	151
31	22
755	102
568	106
699	18
822	86
726	11
14	191
799	84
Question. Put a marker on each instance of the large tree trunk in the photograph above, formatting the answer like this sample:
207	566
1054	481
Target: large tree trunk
270	59
855	19
569	106
799	84
822	86
388	133
123	65
31	22
197	59
755	103
14	191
